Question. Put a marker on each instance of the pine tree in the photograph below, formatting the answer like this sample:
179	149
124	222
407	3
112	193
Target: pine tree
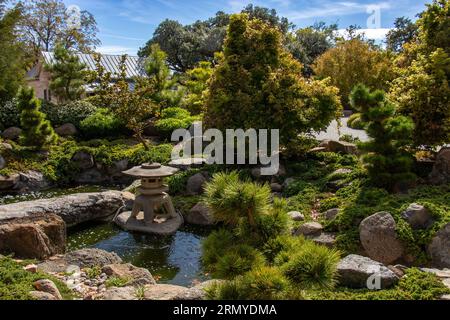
68	75
387	160
37	130
197	84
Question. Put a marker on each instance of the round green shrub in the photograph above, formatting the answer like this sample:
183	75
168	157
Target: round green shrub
284	243
9	114
312	267
175	113
73	112
101	124
238	260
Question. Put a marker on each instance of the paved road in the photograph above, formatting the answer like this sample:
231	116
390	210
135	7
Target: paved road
334	133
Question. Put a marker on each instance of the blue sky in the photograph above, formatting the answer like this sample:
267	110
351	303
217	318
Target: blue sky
125	25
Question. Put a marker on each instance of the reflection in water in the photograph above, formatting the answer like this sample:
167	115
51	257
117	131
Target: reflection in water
174	259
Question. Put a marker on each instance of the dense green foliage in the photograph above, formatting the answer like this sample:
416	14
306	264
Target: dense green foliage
68	75
196	85
388	162
73	112
256	76
101	124
353	62
422	89
9	114
12	62
355	122
404	32
173	119
16	283
416	285
37	130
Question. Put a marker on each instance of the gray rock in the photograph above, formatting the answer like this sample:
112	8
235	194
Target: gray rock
276	187
196	183
73	209
83	160
164	292
2	162
379	238
441	169
309	229
354	272
296	216
197	292
119	294
88	258
91	176
32	181
66	130
138	276
8	182
42	296
12	133
439	248
331	214
200	215
418	216
325	239
288	182
118	167
339	146
48	286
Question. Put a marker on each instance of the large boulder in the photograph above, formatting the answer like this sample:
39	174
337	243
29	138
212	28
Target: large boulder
91	176
12	133
73	209
200	215
83	160
8	182
296	216
379	238
439	248
418	216
84	258
441	169
164	292
331	214
49	287
119	294
361	272
36	237
32	181
196	183
309	229
136	276
66	130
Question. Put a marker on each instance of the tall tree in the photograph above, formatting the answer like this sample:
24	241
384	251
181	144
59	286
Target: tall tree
307	44
197	85
188	45
37	130
258	84
12	62
352	62
165	93
405	31
68	75
422	90
132	106
387	159
45	24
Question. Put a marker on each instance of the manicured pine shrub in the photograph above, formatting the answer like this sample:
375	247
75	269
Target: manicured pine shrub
312	266
215	245
387	159
102	124
37	130
237	260
277	246
232	200
173	119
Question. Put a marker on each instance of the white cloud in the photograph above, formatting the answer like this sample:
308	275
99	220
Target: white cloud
117	50
378	34
334	9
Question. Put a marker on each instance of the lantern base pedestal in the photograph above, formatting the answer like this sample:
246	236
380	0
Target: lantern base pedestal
163	226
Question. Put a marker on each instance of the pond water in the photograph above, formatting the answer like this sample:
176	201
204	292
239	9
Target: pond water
173	260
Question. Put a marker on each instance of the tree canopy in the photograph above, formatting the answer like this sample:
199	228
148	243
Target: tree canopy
258	84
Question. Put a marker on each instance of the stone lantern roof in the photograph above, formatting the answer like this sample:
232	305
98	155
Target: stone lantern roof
153	170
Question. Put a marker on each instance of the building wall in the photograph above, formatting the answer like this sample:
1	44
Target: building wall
41	86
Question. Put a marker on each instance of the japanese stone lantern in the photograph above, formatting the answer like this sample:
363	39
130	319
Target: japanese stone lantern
152	199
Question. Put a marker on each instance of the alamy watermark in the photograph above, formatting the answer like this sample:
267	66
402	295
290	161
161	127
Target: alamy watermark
233	146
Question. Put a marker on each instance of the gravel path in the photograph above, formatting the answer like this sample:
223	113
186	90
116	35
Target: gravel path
333	132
